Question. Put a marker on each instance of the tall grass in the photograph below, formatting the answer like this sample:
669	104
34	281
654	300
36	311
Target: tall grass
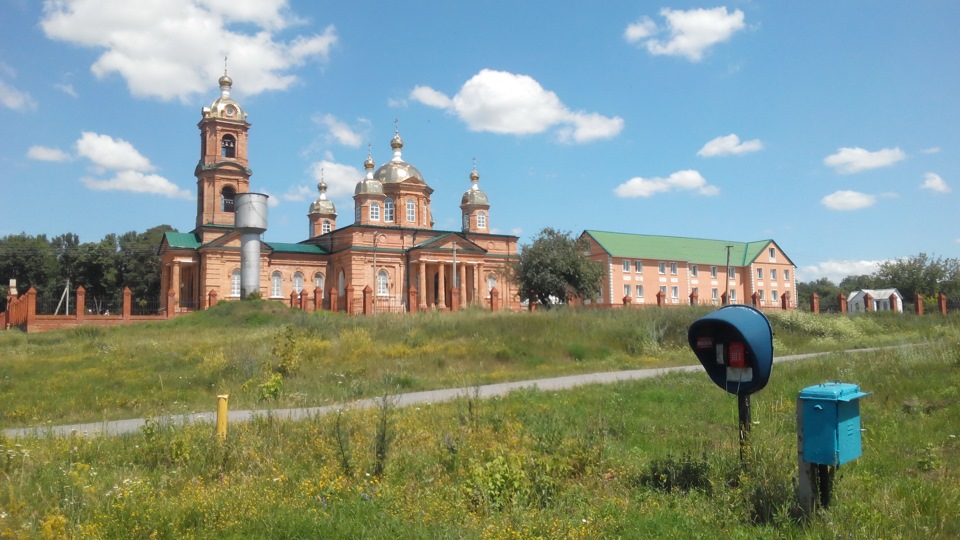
656	458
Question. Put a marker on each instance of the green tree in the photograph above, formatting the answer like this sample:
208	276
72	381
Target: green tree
850	284
555	267
138	262
921	273
28	259
825	289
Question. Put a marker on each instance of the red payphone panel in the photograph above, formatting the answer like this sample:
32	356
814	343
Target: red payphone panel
736	355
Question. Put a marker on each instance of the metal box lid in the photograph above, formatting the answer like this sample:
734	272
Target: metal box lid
833	391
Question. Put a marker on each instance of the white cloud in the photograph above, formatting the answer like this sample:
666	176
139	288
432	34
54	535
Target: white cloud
341	179
688	180
729	145
11	97
340	131
272	202
931	150
109	153
854	160
691	32
138	182
299	194
848	200
835	270
933	182
506	103
44	153
66	89
154	45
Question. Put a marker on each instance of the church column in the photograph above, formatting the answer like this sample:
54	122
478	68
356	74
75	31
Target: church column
481	294
422	277
461	287
441	288
164	285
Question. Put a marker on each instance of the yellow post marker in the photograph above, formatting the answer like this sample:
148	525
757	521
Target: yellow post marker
222	416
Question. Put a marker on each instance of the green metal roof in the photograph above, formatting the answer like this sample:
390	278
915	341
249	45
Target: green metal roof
674	248
284	247
177	240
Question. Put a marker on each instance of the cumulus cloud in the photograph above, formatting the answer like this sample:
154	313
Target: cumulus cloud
507	103
848	200
836	270
854	160
138	182
691	33
688	180
44	153
10	96
729	145
299	194
341	179
933	182
340	131
129	167
154	45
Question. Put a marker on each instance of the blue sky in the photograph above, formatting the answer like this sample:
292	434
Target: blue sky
831	127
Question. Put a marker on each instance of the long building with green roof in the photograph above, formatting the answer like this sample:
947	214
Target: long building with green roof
670	270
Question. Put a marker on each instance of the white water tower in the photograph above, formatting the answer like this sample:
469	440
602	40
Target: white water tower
250	220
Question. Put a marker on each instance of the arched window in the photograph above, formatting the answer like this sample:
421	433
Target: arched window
228	196
411	211
326	227
318	281
276	285
341	284
382	283
235	283
356	212
228	146
491	283
388	210
374	211
481	220
298	282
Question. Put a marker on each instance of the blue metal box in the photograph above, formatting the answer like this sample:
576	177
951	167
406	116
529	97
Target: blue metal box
830	418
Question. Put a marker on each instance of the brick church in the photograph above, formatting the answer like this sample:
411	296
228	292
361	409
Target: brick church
389	258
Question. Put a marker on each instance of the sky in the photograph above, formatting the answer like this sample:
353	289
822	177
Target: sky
830	127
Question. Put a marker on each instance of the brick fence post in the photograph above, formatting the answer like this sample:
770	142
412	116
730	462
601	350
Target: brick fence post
127	303
724	299
171	304
627	300
918	303
842	301
784	302
334	300
318	299
494	299
941	303
32	308
694	298
867	302
212	298
893	303
348	299
367	300
660	297
81	310
412	299
454	299
755	300
814	303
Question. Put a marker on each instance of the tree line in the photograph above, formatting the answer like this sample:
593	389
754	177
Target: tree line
103	268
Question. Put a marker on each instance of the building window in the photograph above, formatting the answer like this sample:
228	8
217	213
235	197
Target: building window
696	291
298	282
663	291
481	220
318	281
423	211
626	265
773	274
228	197
786	275
713	272
775	296
411	211
662	268
276	284
235	283
374	211
759	273
382	283
673	269
760	292
626	290
714	295
228	146
388	210
675	293
733	296
694	271
491	283
356	212
731	273
773	254
639	289
326	227
638	266
341	284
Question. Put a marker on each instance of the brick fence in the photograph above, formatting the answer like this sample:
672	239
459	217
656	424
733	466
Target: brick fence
22	313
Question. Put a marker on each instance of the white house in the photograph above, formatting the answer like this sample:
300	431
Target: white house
880	300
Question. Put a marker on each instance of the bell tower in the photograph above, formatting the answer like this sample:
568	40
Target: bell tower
223	170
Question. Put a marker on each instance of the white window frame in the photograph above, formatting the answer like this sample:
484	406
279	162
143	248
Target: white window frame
481	220
388	210
673	269
714	294
786	275
276	285
298	282
762	296
733	296
356	212
638	266
694	270
773	274
235	283
383	280
713	272
639	290
626	265
662	268
374	211
663	289
773	254
760	273
731	272
411	210
776	296
318	280
675	292
626	290
326	227
491	283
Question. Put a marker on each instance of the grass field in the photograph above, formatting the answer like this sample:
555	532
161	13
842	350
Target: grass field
656	458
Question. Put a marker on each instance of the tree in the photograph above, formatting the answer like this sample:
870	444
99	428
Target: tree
28	259
850	284
555	267
927	275
138	262
825	289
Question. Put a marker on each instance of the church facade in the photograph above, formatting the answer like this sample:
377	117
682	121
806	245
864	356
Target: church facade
388	256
